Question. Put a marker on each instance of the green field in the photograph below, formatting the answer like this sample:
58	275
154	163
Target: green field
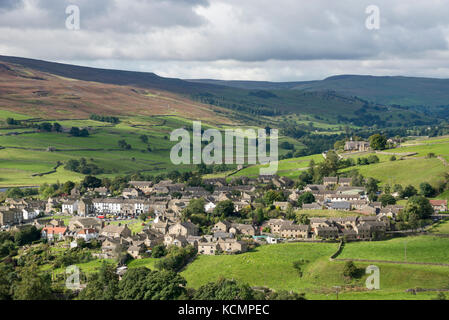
289	167
418	249
327	213
441	227
145	262
26	154
271	266
410	171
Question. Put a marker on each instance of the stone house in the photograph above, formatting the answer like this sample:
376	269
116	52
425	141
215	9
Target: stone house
111	247
144	186
438	205
363	231
53	233
183	229
85	207
240	228
326	232
102	191
330	182
311	206
344	182
10	216
295	231
160	226
222	226
356	146
135	251
283	205
131	193
51	205
208	248
78	223
232	245
116	231
175	240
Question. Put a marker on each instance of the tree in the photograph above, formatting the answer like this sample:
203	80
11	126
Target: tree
440	296
426	189
32	285
371	185
57	127
387	199
68	186
45	126
144	284
224	289
75	131
339	144
418	205
91	182
143	217
123	145
302	219
144	138
103	285
409	191
158	251
350	270
195	206
84	133
6	275
306	197
273	195
26	235
12	122
378	142
224	209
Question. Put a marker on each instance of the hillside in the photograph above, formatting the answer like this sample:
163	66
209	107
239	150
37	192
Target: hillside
272	266
49	96
404	91
31	84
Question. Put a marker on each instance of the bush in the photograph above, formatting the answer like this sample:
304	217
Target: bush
350	270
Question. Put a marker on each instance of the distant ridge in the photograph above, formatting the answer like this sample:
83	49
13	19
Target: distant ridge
110	76
385	90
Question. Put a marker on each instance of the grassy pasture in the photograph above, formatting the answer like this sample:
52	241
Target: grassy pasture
418	249
271	266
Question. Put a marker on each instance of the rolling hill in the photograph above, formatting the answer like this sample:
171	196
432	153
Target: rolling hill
394	90
30	84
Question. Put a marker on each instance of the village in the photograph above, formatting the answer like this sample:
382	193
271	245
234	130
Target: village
97	215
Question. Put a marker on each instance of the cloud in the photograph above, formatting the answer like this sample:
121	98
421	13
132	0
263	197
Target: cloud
263	39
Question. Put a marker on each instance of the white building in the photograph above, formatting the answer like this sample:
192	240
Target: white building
70	206
87	234
209	207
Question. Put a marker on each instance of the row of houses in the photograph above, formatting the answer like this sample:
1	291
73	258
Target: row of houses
358	227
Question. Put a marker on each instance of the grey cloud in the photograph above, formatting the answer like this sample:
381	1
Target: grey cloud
10	4
189	35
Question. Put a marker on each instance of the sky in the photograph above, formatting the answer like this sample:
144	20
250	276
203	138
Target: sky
276	40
